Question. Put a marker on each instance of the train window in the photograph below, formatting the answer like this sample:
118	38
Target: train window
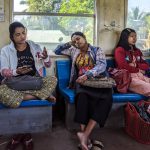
139	19
51	22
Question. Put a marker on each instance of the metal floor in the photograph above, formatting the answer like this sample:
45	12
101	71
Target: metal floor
62	139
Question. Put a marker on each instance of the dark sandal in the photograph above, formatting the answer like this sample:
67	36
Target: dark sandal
28	143
79	147
97	145
89	146
14	143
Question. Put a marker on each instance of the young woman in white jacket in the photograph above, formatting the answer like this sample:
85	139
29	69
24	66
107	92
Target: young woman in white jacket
19	58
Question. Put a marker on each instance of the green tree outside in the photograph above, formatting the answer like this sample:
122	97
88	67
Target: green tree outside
66	24
140	21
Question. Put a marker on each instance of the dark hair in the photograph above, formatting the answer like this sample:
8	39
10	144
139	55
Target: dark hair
78	33
123	41
12	28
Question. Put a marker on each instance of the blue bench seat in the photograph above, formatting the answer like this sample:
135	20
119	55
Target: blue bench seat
31	103
63	75
117	97
30	117
63	81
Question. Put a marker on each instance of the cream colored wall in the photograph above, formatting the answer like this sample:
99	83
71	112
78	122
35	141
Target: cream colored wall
112	11
4	34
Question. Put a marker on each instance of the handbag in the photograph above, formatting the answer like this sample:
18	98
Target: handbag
122	78
101	82
25	82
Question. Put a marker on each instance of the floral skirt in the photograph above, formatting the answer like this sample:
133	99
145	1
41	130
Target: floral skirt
13	98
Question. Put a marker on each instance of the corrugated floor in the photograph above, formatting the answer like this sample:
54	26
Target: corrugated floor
62	139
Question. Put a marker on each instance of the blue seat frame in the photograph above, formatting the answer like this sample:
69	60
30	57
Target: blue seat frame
31	116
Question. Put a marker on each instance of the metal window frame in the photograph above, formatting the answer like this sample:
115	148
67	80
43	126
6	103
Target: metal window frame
57	14
53	14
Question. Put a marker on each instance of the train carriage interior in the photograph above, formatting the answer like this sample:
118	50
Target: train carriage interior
50	23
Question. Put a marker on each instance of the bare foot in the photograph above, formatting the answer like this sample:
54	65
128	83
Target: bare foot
83	140
29	97
51	99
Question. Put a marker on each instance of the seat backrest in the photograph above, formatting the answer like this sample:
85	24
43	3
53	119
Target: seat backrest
44	72
63	68
148	60
110	63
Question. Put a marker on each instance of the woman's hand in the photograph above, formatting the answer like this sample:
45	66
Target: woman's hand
44	53
23	70
71	43
132	64
142	71
81	79
7	73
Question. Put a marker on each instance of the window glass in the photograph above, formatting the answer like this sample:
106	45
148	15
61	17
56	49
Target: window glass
139	19
49	31
55	6
60	19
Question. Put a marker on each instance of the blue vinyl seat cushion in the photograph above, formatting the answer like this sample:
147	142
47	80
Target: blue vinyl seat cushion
32	103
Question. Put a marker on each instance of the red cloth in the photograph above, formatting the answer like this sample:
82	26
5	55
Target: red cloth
122	78
124	57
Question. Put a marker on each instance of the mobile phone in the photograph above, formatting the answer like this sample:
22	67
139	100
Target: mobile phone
26	66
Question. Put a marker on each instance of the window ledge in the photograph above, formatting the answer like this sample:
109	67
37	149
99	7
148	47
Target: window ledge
53	55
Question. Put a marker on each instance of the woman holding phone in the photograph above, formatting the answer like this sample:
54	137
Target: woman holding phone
22	57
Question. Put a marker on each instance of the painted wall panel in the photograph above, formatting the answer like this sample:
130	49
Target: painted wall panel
4	34
111	21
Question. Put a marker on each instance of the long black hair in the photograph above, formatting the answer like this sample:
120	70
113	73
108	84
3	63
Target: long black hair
123	41
78	33
12	28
